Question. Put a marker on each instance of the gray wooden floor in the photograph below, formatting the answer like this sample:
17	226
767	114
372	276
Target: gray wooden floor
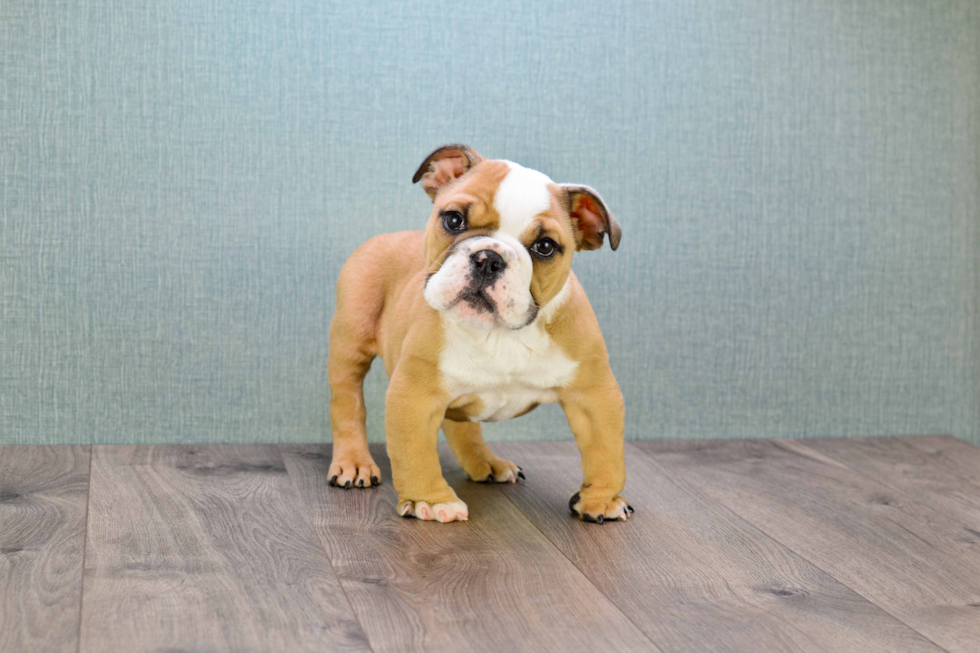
822	545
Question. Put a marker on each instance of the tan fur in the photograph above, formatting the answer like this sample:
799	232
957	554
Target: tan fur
381	311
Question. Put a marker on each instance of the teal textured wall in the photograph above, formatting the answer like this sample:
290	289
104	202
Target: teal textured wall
798	183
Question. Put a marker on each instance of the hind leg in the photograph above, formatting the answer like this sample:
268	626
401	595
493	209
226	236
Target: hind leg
475	457
352	464
348	362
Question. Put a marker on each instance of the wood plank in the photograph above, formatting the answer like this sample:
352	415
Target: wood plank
692	575
940	472
205	548
957	454
493	583
43	497
960	456
894	551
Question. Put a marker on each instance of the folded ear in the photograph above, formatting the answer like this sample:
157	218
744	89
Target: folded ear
444	165
591	218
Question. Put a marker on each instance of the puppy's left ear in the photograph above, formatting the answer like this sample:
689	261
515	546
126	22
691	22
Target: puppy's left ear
445	165
592	220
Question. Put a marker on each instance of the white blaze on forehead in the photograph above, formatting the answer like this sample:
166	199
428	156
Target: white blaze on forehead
522	195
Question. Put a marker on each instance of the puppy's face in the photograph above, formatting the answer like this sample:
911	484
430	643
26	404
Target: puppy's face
500	240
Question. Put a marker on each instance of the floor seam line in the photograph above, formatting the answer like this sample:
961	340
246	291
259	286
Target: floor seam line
323	546
88	503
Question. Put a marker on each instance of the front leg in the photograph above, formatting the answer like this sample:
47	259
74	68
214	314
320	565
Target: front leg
413	413
595	415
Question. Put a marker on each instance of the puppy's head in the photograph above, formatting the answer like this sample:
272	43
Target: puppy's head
500	240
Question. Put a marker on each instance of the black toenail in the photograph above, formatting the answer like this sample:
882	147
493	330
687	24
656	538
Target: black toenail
362	483
521	475
333	481
375	481
630	508
520	468
601	519
573	501
347	485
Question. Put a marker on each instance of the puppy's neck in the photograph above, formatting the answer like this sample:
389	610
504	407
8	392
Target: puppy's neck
549	310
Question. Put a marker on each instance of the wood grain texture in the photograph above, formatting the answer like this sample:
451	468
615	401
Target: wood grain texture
940	472
908	559
692	575
493	583
205	548
958	455
43	497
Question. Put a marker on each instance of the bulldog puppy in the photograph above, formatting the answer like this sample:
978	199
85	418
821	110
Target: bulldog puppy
478	319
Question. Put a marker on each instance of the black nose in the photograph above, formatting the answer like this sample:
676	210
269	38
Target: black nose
487	265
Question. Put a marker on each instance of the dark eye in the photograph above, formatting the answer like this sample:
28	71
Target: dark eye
545	248
453	221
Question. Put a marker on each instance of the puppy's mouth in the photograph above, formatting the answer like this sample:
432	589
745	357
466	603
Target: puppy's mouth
480	303
477	300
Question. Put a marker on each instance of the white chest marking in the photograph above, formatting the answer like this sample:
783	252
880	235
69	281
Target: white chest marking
507	371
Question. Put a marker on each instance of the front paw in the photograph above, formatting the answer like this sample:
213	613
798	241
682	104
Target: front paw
493	470
440	512
353	469
600	509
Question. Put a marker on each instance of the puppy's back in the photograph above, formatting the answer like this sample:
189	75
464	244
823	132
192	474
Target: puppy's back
383	261
373	277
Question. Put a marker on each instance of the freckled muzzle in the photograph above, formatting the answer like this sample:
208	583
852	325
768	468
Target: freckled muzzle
484	283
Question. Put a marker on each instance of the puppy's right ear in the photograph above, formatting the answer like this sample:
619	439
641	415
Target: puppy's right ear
445	165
